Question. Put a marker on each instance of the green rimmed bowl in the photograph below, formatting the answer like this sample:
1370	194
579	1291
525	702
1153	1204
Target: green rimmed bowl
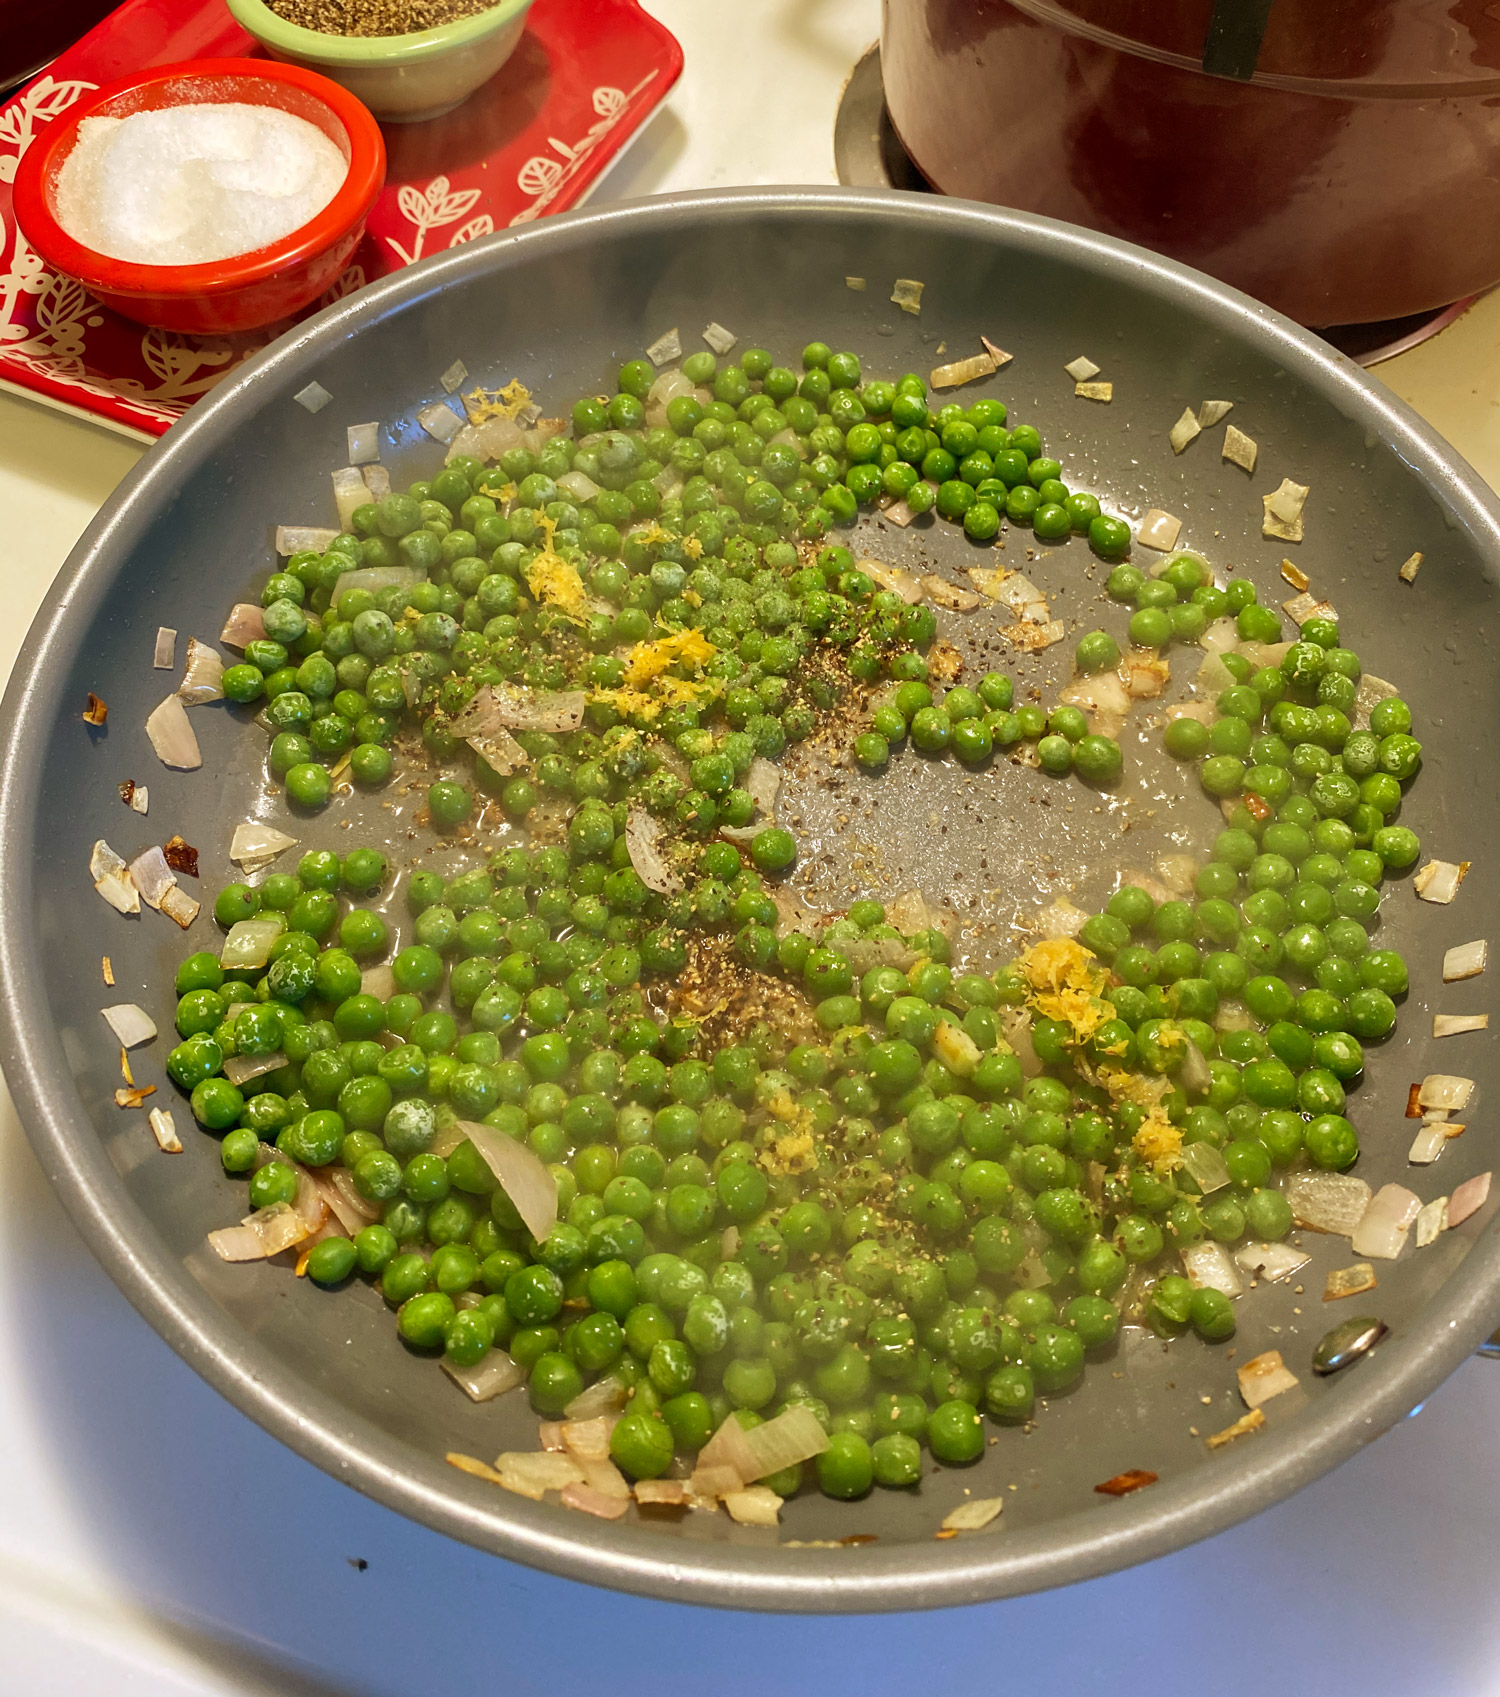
402	79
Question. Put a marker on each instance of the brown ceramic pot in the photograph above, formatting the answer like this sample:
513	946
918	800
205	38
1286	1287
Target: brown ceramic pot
1353	176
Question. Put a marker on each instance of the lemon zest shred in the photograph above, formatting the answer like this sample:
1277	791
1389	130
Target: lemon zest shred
553	581
648	660
483	404
1158	1141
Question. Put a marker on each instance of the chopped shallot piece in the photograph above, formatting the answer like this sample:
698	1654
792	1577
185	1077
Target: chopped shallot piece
662	1493
152	876
1144	674
1263	1377
1210	1266
1242	1428
1283	508
314	397
520	1173
898	513
376	479
1206	1166
516	708
472	1464
757	1505
944	594
974	1515
364	442
589	1501
588	1440
1410	568
961	371
1061	918
1468	1198
500	751
1212	412
604	1396
181	856
1349	1281
1438	880
1094	392
454	378
666	348
139	799
1301	608
246	623
1328	1202
1455	1024
107	966
1295	575
531	1473
165	654
179	906
644	839
298	539
440	420
1124	1483
1185	429
131	1025
1241	450
264	1233
715	1482
1432	1222
494	1375
95	713
1081	369
907	294
719	339
255	845
1159	530
1270	1261
165	1132
1465	960
893	578
729	1448
858	284
1428	1144
133	1096
203	674
240	1069
600	1474
350	493
119	891
1445	1090
999	355
1381	1232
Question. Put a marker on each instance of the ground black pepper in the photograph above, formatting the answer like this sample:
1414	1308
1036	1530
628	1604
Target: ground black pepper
375	17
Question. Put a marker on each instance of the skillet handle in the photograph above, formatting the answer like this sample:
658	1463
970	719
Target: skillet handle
1235	32
1490	1347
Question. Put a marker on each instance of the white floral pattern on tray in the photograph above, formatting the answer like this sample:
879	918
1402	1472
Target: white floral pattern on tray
544	178
59	342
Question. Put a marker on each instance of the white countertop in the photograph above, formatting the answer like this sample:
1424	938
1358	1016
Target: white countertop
154	1541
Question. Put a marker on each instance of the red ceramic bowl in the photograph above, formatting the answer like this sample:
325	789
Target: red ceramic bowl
250	289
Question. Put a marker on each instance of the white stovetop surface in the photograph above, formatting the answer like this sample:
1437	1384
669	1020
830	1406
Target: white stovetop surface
155	1542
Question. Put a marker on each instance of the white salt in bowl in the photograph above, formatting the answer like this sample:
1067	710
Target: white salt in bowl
248	290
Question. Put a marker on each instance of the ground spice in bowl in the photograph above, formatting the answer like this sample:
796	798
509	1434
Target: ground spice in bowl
375	17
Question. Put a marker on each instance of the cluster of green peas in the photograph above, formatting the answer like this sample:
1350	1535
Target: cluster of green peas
976	723
338	671
880	1290
859	440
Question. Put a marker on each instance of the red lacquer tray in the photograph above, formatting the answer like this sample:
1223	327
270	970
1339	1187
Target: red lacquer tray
586	75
